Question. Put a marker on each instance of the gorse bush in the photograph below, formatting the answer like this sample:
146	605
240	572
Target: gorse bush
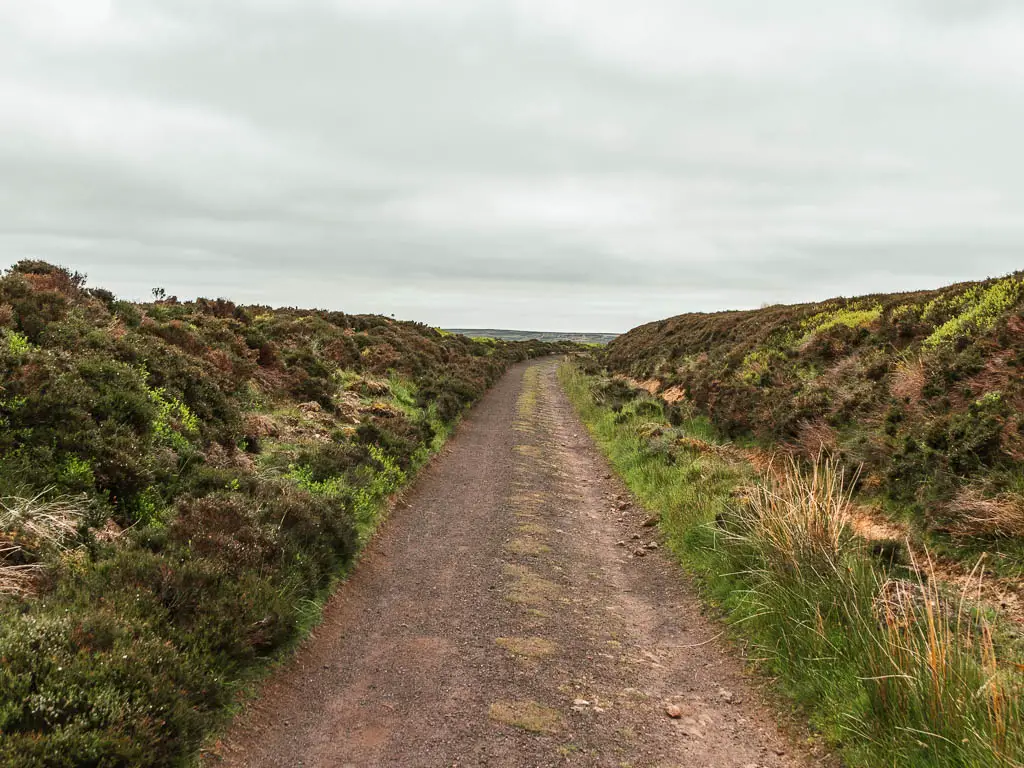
981	311
179	482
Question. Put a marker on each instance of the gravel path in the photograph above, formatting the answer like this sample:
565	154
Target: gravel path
496	621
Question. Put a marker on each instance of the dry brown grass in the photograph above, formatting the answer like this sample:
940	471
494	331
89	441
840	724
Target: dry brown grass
908	381
816	436
975	515
261	425
1012	440
531	647
29	528
526	546
650	386
674	395
726	451
528	715
527	588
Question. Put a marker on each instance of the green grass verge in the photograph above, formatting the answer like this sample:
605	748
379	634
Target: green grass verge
887	666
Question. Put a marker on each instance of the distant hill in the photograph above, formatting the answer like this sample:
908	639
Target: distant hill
505	335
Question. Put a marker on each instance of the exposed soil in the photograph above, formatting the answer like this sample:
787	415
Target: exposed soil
497	620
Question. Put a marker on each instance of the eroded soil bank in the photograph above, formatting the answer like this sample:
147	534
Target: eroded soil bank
514	611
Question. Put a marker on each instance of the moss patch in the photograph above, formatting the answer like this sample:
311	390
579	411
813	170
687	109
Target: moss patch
527	547
527	588
532	647
528	715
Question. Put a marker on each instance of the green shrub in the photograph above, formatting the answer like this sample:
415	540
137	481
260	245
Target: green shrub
196	562
981	312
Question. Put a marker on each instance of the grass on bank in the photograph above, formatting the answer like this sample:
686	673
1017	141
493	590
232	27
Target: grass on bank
892	669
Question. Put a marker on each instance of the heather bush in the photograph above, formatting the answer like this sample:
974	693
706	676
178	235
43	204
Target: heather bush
225	464
920	389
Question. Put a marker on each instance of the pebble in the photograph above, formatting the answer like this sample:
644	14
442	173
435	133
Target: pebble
673	711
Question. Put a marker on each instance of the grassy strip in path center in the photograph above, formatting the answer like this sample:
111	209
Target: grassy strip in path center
890	669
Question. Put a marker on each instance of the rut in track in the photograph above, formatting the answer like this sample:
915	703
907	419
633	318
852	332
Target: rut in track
496	621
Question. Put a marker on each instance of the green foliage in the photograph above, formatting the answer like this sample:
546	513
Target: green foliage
226	464
17	344
846	317
896	385
75	474
175	425
757	365
981	311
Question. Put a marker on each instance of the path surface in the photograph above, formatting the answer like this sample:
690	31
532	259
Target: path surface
496	621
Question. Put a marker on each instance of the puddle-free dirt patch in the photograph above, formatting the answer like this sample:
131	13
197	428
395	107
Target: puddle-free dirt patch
532	647
528	715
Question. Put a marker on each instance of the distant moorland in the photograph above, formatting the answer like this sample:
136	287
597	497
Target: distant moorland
551	336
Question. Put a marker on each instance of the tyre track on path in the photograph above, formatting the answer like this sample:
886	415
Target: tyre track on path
496	621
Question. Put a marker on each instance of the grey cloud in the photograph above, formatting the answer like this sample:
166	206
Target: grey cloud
525	163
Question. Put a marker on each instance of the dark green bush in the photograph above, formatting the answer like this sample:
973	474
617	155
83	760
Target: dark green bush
148	416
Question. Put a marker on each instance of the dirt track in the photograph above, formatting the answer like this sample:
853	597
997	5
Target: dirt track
497	621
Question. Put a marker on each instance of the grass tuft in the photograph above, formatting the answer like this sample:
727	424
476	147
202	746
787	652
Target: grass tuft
30	528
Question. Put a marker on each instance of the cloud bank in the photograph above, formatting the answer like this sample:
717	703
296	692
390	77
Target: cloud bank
552	164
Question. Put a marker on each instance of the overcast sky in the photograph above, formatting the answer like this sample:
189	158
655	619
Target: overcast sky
542	164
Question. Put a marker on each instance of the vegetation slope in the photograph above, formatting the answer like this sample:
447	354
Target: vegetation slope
914	401
180	482
922	392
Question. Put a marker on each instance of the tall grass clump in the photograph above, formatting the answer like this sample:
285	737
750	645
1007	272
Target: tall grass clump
802	584
30	528
890	664
887	657
937	677
795	522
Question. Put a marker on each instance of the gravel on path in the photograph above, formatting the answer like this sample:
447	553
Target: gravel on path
498	620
